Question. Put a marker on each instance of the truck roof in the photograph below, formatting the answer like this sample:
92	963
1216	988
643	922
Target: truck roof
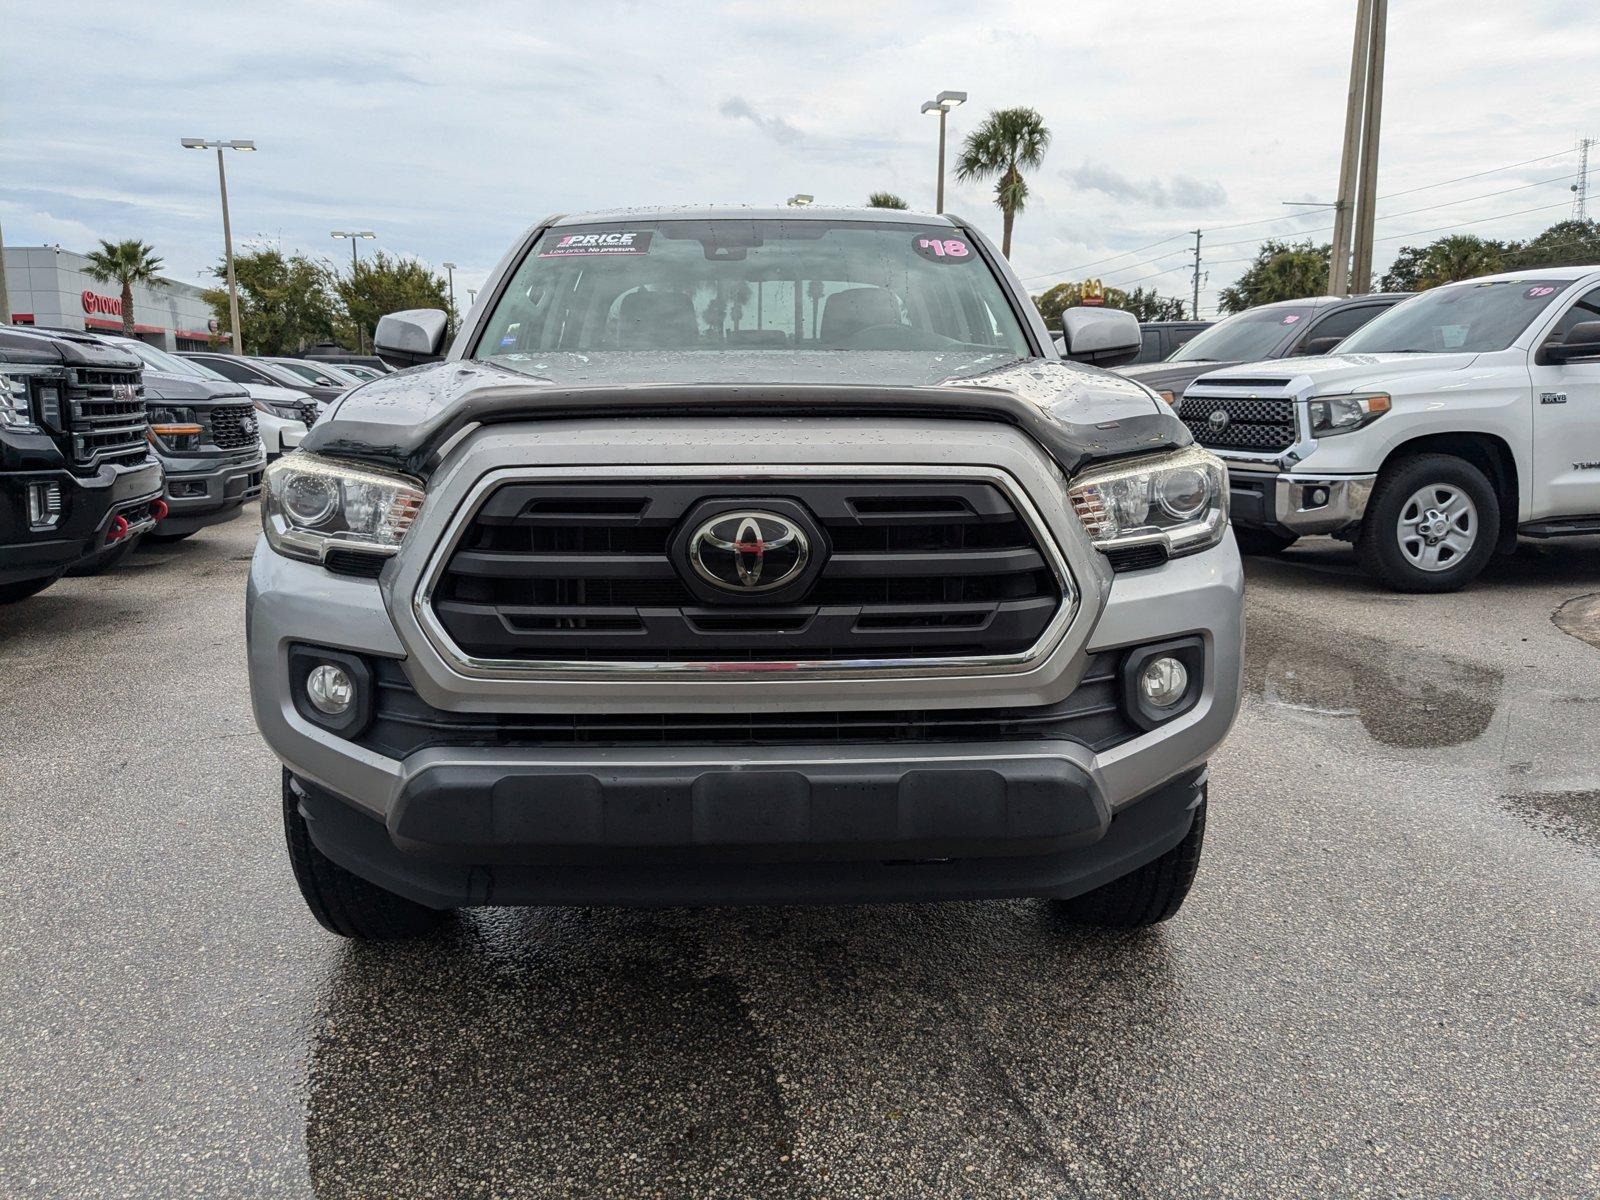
737	212
1566	274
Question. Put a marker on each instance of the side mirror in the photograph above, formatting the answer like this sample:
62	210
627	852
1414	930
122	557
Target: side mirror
1321	345
1105	337
404	339
1582	342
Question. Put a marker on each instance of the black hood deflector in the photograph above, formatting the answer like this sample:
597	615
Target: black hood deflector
1079	414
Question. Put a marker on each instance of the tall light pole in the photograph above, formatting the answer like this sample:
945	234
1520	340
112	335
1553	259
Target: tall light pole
450	275
942	104
355	236
219	146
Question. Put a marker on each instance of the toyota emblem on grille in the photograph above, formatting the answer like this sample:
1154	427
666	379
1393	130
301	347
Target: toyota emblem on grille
1218	420
753	551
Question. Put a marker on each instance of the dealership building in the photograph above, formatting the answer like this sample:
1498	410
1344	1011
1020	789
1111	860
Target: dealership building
49	286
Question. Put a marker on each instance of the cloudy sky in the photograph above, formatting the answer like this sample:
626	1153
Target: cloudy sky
449	127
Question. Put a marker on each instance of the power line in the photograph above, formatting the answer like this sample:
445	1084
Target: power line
1054	274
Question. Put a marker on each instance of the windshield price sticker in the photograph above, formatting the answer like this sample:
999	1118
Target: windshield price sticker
616	241
1291	318
936	249
1538	291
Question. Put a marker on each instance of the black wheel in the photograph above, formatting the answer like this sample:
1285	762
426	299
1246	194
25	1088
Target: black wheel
1431	525
105	559
10	593
169	537
1261	541
1146	896
344	903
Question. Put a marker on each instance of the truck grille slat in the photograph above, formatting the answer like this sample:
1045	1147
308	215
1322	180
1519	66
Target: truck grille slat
1252	423
586	573
105	416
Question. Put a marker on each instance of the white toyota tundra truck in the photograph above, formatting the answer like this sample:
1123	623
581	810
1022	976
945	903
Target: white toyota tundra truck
1440	432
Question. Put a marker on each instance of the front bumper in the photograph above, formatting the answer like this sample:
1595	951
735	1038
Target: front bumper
88	506
1297	504
204	491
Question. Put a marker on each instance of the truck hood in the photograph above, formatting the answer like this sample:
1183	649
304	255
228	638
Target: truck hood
1080	414
274	395
158	385
1170	376
1341	372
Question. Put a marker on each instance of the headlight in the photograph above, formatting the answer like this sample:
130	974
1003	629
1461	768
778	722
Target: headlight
1342	414
15	412
177	427
311	505
1177	500
273	408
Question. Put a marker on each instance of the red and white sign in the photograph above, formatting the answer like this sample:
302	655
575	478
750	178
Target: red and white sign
109	305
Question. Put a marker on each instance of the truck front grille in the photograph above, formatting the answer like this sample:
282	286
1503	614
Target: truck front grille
403	723
587	573
1252	423
229	427
106	417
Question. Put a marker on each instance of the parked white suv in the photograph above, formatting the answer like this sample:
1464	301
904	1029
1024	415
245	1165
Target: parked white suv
1440	432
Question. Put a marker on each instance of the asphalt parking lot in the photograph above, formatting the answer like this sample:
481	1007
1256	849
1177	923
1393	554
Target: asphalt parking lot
1384	984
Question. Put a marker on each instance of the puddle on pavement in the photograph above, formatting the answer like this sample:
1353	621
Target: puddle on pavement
1407	700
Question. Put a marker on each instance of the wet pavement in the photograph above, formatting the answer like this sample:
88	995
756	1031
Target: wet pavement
1384	984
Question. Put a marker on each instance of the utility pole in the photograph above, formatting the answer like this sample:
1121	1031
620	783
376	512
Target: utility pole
1366	214
1580	190
1194	313
1350	159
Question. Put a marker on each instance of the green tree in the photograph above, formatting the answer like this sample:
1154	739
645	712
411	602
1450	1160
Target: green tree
1150	305
1009	140
1447	260
1564	244
125	263
383	284
285	303
1281	271
886	200
1145	304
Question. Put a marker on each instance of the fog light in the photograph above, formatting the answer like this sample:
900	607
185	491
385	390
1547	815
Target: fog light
330	690
44	504
1163	682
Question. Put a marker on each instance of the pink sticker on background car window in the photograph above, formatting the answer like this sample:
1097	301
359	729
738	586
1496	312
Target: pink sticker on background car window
937	249
1536	292
1291	318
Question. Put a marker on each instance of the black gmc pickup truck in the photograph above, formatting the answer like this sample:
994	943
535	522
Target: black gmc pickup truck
76	473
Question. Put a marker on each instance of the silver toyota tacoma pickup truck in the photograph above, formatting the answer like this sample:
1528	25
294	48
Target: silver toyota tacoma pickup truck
745	555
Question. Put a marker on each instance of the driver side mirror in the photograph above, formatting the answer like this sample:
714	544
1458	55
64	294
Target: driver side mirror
416	335
1582	342
1104	337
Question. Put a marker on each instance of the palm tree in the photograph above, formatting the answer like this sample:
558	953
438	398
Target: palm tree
127	263
886	200
1008	140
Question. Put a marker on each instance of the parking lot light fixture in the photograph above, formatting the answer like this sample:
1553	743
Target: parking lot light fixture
450	276
355	236
942	104
219	145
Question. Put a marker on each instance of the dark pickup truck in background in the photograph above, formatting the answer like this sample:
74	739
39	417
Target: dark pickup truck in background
76	474
205	433
1287	329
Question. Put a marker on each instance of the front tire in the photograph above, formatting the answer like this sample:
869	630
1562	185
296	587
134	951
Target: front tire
1147	896
1431	525
344	903
10	593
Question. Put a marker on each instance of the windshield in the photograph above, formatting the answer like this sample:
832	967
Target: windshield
1244	337
1472	317
312	372
168	364
769	285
